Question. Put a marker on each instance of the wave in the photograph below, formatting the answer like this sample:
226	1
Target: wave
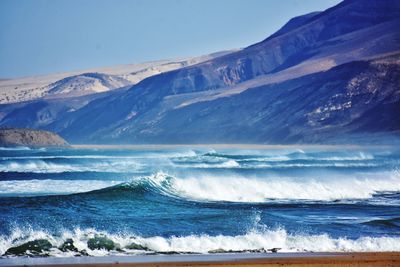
204	188
211	165
63	157
312	165
113	165
40	166
51	187
298	155
225	188
392	222
184	159
273	159
263	164
255	240
240	189
354	156
15	148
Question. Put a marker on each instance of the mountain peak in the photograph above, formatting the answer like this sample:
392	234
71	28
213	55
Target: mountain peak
294	23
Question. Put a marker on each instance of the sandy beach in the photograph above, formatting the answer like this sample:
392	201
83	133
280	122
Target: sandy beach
258	259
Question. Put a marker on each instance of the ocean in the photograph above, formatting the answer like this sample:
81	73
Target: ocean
201	199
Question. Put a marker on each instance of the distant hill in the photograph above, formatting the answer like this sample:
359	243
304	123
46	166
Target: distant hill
13	137
86	83
75	83
323	77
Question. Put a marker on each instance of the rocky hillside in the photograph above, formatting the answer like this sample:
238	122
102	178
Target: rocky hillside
322	77
13	137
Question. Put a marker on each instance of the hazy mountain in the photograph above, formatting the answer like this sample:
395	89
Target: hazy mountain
87	83
321	77
71	84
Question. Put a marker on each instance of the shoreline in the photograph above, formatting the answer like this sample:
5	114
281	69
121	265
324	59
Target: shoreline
234	259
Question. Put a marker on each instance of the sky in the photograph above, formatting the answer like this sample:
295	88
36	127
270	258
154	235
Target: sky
48	36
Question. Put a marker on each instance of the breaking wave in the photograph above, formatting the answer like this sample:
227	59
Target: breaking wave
101	243
224	188
240	189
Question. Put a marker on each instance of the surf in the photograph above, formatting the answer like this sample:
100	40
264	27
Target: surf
92	242
241	189
51	187
233	188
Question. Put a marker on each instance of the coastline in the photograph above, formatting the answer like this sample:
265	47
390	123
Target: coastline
235	259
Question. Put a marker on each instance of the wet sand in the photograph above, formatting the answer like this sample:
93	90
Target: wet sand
368	259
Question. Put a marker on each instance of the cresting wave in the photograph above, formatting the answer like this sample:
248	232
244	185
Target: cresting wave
231	189
100	243
240	189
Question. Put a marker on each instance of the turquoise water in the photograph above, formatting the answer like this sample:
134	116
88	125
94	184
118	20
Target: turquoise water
200	200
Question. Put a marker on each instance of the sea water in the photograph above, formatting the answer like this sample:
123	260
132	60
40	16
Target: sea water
199	200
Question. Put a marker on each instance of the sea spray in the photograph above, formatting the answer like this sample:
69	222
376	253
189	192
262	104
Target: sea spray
233	188
266	240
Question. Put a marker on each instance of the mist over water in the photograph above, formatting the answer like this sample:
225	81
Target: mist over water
200	200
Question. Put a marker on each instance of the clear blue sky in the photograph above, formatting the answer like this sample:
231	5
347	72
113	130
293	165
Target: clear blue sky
47	36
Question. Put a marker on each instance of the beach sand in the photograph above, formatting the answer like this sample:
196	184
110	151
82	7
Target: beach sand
367	259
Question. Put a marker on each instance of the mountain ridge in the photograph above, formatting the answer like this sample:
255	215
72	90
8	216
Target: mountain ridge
37	87
312	47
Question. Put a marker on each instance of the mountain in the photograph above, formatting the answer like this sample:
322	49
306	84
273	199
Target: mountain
322	77
71	84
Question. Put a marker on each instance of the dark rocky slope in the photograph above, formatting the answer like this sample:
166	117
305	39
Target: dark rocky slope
14	137
354	98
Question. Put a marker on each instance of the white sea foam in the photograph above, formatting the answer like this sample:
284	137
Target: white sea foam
272	163
63	157
40	166
212	165
356	156
353	156
226	188
51	187
15	148
240	189
313	165
252	240
189	153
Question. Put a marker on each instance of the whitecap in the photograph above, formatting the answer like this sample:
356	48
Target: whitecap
241	189
203	243
51	187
